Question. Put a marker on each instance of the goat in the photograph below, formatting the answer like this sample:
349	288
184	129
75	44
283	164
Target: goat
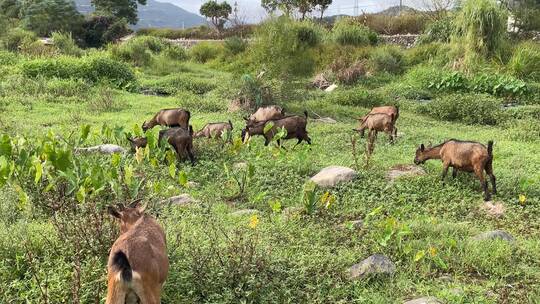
137	142
465	156
214	130
265	113
389	110
378	123
138	264
294	125
169	118
181	140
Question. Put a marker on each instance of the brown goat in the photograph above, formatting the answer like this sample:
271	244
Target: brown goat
214	130
169	118
295	126
465	156
266	113
138	264
137	142
378	123
388	110
181	140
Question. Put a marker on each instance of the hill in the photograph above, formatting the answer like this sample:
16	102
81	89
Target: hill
155	14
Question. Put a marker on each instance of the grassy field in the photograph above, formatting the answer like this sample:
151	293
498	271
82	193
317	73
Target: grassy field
282	256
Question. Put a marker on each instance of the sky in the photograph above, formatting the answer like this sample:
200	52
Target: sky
252	11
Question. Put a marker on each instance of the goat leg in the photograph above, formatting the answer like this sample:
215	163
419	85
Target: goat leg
444	172
454	172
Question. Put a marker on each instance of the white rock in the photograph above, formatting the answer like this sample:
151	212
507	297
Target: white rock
331	88
424	300
182	200
404	171
105	149
495	235
331	176
244	212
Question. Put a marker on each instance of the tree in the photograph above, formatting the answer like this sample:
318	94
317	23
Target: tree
304	7
10	8
438	9
218	13
100	30
126	9
322	5
46	16
286	6
525	12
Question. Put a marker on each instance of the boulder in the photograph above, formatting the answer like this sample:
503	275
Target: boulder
245	212
105	149
495	235
373	265
424	300
181	200
404	171
333	175
492	209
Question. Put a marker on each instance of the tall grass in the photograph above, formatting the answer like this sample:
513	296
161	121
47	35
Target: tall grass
525	62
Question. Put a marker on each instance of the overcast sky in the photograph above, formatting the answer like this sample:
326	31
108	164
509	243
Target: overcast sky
251	9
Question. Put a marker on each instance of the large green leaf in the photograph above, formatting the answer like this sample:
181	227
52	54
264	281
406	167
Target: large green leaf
5	146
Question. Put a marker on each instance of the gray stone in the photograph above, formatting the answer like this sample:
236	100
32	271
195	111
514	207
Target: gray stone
245	212
181	200
404	171
105	149
375	264
424	300
495	235
333	175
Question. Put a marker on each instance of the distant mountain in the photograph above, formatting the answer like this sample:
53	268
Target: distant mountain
396	10
155	14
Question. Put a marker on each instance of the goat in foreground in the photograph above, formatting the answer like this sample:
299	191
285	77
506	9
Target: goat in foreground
168	118
465	156
294	125
138	262
388	110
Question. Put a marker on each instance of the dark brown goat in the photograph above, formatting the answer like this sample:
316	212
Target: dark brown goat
181	140
137	142
215	130
465	156
388	110
294	125
169	118
138	264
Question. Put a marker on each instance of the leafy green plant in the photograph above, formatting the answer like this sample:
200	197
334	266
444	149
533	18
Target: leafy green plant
65	44
347	32
241	177
440	30
453	82
235	45
205	51
467	108
387	59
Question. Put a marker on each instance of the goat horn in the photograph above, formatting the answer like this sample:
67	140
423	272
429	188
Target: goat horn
134	203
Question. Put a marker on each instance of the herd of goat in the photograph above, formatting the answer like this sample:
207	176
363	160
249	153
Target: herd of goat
138	262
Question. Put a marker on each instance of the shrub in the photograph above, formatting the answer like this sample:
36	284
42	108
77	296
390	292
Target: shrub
176	83
498	85
483	25
175	52
466	108
235	45
440	30
347	32
352	74
8	58
525	62
387	59
139	50
16	38
205	51
355	97
280	49
407	23
308	33
198	32
67	87
94	69
436	53
449	82
65	44
100	30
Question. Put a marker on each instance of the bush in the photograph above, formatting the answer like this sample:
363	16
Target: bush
100	30
235	45
440	30
387	59
16	38
352	74
356	97
525	62
348	32
8	58
436	53
67	87
198	32
65	44
308	33
498	85
94	69
279	48
176	83
466	108
205	51
483	26
175	52
139	50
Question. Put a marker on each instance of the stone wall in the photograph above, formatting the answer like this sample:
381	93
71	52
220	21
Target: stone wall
406	41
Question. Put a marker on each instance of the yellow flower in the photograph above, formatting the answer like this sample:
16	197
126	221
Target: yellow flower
139	154
432	251
522	199
253	221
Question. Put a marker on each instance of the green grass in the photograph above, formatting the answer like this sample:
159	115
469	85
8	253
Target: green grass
217	258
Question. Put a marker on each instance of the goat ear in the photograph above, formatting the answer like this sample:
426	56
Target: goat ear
422	147
135	203
245	118
430	145
113	212
142	208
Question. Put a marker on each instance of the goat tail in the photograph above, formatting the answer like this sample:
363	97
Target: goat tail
490	148
305	113
121	264
188	114
230	124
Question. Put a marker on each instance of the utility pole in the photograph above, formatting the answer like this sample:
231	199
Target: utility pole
400	7
355	12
